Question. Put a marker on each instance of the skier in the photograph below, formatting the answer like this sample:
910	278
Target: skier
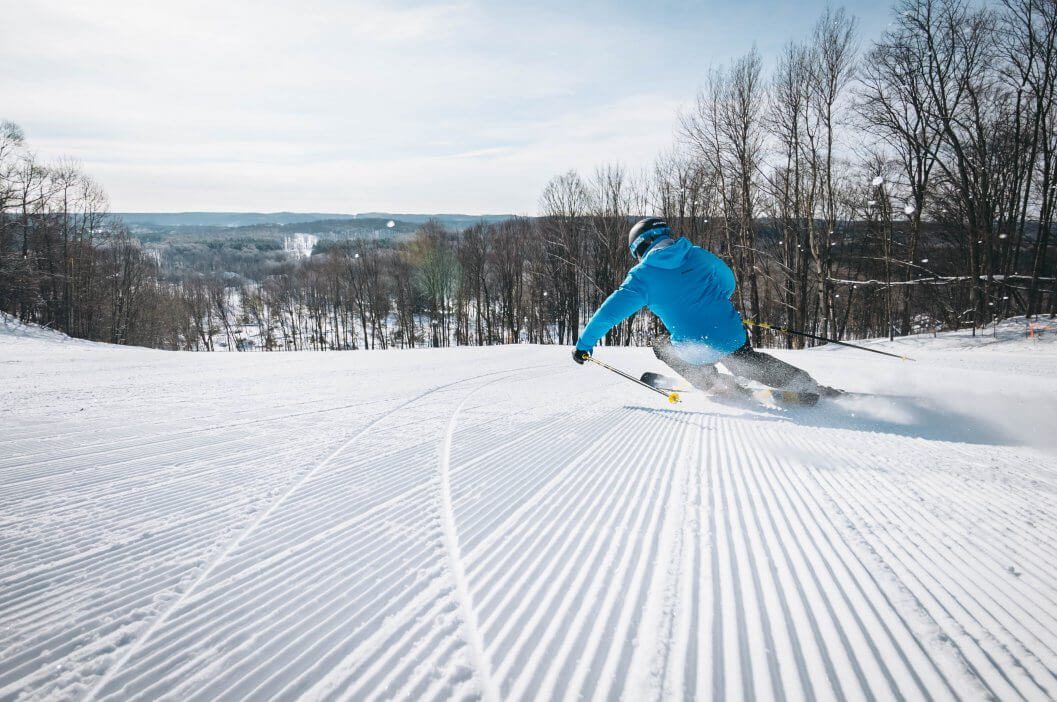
689	289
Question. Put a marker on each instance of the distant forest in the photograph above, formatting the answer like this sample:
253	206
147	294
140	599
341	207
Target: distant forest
856	191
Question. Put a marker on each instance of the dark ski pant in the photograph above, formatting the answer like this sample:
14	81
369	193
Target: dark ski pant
745	363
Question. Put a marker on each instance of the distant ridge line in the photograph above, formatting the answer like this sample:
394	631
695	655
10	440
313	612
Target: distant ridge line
202	218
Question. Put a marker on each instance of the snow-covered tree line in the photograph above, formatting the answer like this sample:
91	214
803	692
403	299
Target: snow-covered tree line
488	284
63	262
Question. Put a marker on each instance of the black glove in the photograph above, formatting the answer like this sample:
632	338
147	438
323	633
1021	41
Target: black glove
580	356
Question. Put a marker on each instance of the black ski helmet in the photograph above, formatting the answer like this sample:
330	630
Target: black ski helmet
644	233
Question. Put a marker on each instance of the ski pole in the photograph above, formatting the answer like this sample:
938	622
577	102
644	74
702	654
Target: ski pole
765	325
673	397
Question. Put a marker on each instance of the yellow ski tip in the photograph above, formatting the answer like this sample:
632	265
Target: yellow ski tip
674	398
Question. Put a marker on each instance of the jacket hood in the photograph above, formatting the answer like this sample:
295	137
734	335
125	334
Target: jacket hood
671	256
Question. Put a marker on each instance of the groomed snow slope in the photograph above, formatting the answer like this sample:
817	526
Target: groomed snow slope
502	524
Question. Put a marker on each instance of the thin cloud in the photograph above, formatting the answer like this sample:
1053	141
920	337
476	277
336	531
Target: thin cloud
353	105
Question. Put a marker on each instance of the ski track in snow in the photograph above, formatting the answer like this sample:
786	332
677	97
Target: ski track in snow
496	524
142	639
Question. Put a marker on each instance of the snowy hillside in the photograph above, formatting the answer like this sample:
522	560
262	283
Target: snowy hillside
499	523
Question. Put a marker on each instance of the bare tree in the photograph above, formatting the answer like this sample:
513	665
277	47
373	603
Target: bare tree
564	204
1028	48
725	132
895	104
833	50
508	261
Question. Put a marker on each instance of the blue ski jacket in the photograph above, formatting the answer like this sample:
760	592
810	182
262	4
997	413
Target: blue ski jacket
689	289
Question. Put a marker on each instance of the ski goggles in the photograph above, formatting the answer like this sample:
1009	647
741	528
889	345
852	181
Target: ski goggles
641	244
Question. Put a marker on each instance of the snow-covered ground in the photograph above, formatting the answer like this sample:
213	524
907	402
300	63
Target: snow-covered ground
300	245
500	523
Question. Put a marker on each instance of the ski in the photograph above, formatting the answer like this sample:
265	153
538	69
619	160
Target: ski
664	382
728	388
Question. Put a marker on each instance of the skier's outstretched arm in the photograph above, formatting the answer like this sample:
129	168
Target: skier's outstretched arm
625	301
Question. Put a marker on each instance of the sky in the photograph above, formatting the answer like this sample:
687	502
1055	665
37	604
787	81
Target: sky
356	106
